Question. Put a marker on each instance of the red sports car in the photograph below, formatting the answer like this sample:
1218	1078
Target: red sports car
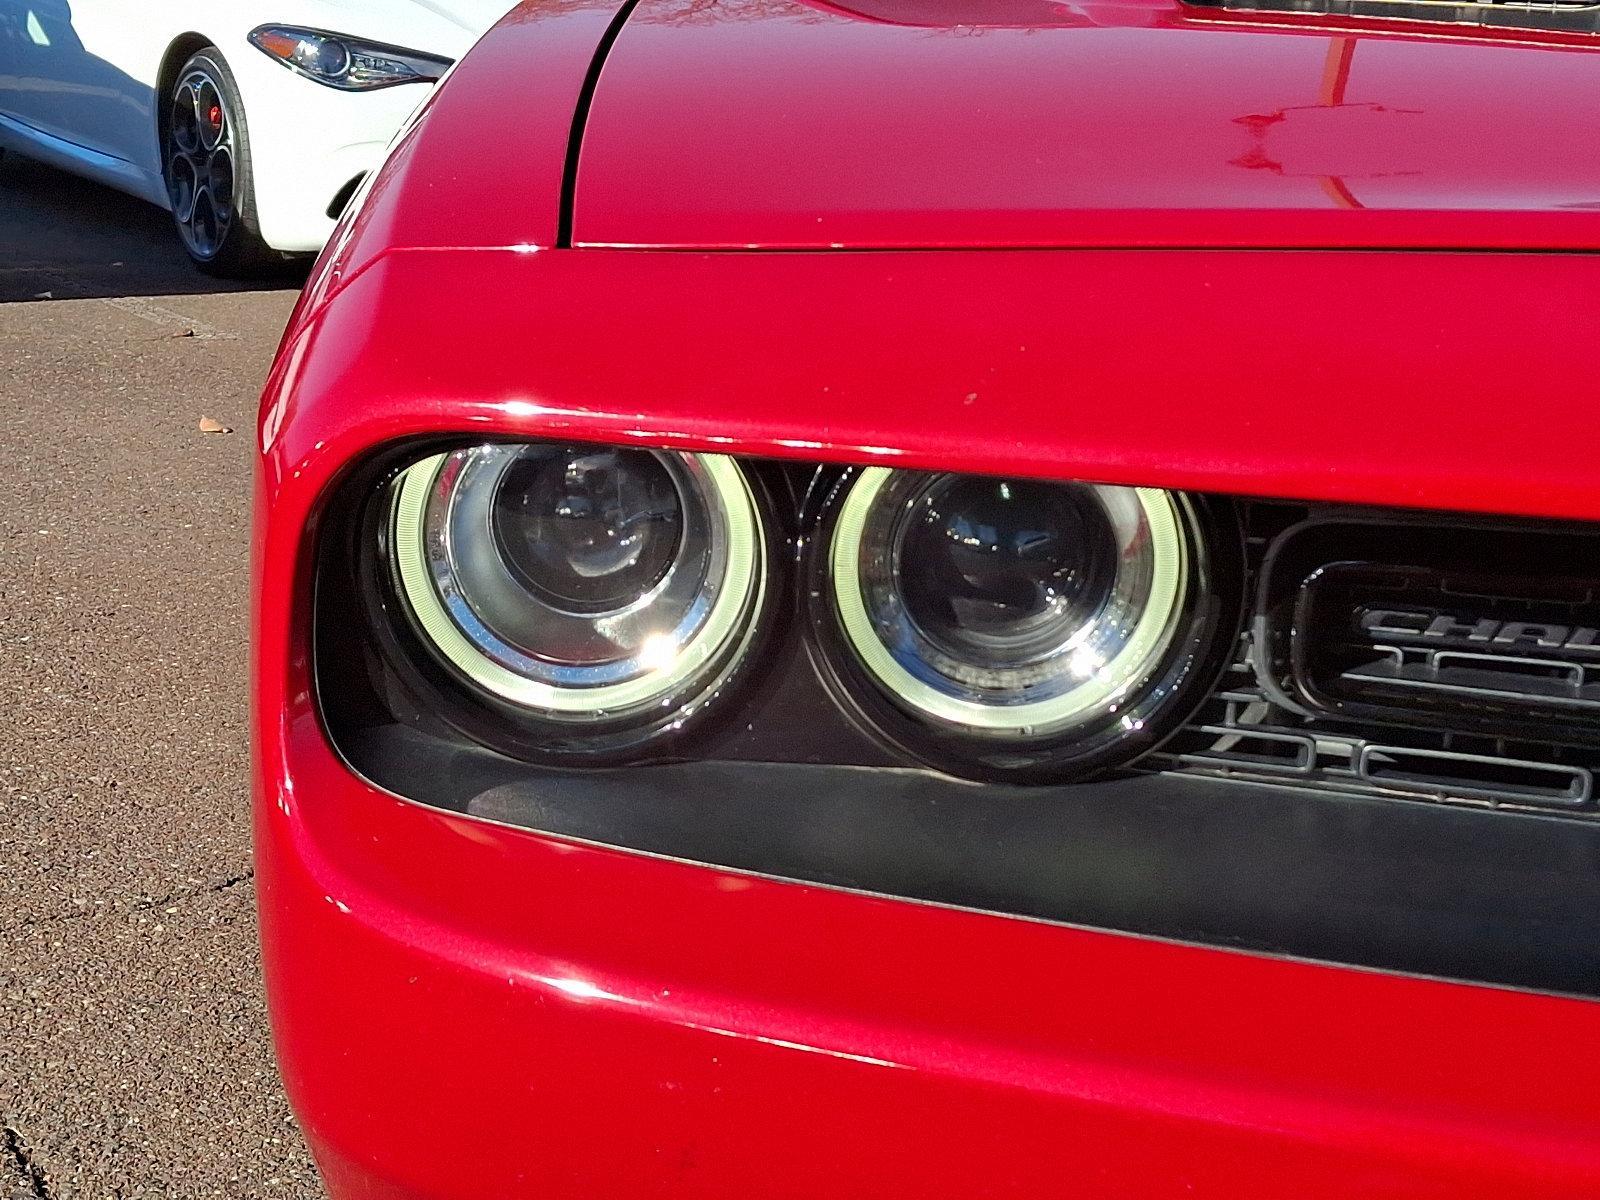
948	598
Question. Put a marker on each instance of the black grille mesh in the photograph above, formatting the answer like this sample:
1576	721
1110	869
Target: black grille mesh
1250	729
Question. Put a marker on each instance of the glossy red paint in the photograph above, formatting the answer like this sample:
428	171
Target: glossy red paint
1319	375
776	123
464	1010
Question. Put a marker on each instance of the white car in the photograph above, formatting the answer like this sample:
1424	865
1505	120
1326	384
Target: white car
252	121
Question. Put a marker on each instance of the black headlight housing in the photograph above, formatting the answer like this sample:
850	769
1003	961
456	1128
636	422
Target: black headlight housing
1002	627
560	603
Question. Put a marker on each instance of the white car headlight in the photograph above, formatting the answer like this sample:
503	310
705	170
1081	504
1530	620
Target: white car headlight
349	64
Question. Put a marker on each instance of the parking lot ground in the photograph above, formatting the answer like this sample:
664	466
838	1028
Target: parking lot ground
134	1058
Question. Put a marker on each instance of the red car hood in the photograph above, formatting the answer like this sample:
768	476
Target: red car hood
777	123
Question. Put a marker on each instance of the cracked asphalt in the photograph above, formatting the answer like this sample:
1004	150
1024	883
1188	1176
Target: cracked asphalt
134	1057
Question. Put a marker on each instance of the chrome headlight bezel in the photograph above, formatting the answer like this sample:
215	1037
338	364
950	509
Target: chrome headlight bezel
488	689
1121	715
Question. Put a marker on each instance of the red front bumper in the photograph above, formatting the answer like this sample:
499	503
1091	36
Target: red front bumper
465	1010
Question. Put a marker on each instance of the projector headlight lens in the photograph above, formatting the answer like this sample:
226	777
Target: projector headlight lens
1009	616
588	588
346	63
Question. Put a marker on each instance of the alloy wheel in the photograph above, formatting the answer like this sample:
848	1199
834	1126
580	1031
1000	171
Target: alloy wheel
200	163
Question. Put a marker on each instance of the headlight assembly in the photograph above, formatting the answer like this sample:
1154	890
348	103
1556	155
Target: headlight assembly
582	603
349	64
596	595
1011	626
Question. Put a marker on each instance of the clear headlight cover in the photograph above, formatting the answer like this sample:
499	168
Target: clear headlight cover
586	587
347	63
1009	613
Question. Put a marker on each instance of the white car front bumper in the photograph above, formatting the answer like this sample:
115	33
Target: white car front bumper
308	141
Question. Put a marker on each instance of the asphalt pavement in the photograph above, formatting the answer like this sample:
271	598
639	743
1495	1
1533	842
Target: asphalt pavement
134	1057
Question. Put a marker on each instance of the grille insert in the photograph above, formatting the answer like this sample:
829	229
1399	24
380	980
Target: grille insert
1480	677
1445	775
1242	732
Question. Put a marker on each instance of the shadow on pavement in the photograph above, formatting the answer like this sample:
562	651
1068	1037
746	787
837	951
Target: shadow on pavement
64	238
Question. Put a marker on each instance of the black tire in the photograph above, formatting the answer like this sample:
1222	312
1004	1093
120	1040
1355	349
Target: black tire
205	159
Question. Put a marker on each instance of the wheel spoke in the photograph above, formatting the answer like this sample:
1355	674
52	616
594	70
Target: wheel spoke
183	185
204	224
219	171
219	186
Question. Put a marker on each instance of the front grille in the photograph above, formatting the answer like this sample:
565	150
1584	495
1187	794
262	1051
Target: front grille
1502	723
1241	732
1559	16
